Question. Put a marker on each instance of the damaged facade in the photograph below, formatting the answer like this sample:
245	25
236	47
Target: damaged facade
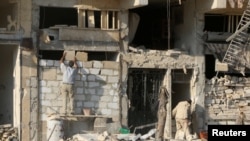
127	50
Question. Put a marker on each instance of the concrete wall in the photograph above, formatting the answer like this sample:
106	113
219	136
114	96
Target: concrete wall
96	87
29	96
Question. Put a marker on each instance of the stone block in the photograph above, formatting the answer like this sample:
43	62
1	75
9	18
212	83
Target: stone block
70	55
87	64
49	74
97	64
111	65
82	56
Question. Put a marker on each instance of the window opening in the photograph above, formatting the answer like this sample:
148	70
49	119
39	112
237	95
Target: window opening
98	19
224	23
9	14
98	56
51	16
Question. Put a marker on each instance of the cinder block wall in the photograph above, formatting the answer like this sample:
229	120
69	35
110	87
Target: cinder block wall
226	98
96	87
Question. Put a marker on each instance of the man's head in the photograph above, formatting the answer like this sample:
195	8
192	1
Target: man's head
71	63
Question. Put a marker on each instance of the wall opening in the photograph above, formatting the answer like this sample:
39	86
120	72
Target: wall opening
225	23
143	90
210	66
51	16
8	62
8	13
98	56
210	69
180	89
152	31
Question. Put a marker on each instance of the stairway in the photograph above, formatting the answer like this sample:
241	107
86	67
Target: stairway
234	55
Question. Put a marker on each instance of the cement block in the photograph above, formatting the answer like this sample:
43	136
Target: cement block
70	55
82	56
49	74
221	66
111	65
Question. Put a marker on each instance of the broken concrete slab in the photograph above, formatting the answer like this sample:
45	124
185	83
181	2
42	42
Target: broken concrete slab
126	137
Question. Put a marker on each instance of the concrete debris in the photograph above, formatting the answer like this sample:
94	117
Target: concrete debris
173	53
105	136
224	96
138	49
8	133
128	137
91	137
149	134
44	37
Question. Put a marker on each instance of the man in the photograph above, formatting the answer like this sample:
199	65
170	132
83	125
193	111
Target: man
182	114
67	88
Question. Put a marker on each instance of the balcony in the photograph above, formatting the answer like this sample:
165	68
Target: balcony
60	38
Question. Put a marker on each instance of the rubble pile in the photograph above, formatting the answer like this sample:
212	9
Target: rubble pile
8	133
105	136
226	97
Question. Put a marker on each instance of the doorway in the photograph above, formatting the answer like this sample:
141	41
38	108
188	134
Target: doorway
181	90
9	85
143	90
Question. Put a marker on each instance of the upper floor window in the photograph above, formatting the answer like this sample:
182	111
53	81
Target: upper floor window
81	18
9	14
52	16
221	23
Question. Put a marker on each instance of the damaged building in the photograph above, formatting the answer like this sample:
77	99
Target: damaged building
127	50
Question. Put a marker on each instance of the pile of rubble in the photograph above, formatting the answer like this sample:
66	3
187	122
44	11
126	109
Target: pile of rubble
8	133
105	136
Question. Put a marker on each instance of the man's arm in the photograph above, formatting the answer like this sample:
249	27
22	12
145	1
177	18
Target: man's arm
75	63
63	57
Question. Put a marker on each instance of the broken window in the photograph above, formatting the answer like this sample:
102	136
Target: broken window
8	13
153	31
